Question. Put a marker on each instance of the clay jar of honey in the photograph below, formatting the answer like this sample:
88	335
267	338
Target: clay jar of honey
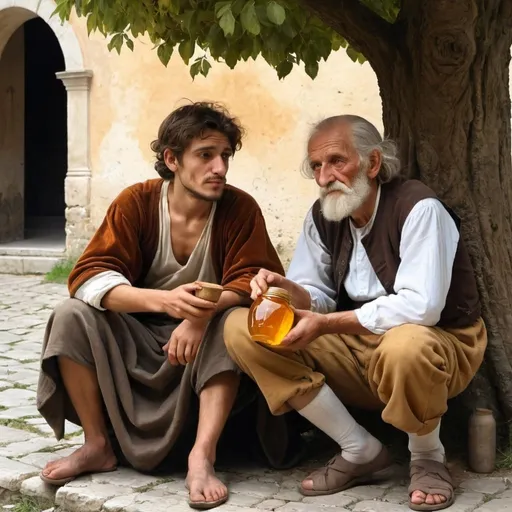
271	316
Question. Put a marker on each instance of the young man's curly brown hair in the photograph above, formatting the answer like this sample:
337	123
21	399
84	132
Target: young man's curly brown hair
186	123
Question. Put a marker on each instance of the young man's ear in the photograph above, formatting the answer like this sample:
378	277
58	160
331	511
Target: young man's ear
170	160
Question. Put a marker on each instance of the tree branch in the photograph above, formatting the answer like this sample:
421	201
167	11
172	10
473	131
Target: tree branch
361	27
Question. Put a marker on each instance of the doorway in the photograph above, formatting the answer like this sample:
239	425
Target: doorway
33	141
46	156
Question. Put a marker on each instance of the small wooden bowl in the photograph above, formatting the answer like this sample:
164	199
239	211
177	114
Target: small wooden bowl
209	291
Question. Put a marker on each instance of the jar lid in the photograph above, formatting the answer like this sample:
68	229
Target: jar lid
274	291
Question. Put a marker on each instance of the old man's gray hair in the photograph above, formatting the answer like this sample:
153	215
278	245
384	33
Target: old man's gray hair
366	138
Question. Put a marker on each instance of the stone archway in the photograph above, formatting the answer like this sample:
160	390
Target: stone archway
77	80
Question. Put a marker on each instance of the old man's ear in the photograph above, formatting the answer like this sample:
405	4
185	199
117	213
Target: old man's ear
375	161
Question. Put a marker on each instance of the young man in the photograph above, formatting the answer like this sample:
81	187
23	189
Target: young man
133	342
387	314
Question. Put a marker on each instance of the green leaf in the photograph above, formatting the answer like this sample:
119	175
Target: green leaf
205	67
256	47
324	47
283	32
195	69
137	27
312	69
91	23
222	8
338	42
78	7
227	23
246	52
288	29
164	53
216	41
186	50
284	69
116	43
353	54
276	13
173	6
231	57
189	18
249	19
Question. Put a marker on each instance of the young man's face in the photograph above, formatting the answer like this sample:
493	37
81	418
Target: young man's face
203	167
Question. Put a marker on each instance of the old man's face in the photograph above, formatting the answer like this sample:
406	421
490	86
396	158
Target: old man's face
343	181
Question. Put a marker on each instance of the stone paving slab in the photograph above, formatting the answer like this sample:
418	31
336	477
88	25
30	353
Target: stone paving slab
27	444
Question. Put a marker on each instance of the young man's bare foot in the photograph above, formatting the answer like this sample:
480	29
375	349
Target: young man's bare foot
92	457
205	489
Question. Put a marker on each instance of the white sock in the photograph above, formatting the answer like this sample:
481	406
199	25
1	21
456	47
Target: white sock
427	447
327	413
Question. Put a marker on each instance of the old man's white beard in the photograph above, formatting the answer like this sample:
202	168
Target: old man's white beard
344	201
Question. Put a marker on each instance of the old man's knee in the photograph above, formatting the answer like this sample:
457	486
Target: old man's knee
409	348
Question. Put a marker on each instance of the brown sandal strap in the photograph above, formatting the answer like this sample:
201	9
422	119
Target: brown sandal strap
329	476
338	472
430	477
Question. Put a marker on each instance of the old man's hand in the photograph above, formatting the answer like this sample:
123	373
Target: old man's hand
184	344
263	280
308	326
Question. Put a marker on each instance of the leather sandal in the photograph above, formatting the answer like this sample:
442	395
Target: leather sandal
59	482
339	474
430	477
207	505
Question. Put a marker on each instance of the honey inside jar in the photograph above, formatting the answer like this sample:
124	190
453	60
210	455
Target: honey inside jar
271	317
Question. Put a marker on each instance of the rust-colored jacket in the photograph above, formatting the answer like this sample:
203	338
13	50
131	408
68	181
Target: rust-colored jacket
127	240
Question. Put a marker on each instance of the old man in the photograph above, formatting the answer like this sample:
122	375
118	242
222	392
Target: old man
387	314
127	351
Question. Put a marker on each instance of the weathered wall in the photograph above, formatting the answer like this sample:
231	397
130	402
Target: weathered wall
132	93
12	113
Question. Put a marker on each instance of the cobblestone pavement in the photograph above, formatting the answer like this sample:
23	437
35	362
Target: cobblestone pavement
26	444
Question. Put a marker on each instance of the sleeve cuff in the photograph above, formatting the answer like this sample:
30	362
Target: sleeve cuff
367	316
320	303
94	289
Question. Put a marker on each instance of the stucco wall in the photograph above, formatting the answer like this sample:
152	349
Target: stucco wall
132	93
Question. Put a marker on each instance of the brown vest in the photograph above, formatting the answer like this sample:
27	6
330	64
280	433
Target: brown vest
382	246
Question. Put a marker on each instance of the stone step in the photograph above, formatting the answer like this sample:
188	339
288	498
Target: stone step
24	264
27	250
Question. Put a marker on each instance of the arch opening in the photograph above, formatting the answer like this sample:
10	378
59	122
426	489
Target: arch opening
44	137
33	149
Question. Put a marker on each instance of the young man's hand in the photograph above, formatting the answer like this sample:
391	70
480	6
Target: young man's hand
185	340
183	304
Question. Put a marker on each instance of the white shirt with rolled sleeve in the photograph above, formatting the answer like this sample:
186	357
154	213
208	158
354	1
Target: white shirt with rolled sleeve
427	251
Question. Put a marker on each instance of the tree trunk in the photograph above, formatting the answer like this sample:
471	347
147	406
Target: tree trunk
446	100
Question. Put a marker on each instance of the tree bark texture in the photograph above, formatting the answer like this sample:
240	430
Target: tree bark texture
443	73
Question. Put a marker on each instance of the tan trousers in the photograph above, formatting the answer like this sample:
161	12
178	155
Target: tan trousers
410	372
